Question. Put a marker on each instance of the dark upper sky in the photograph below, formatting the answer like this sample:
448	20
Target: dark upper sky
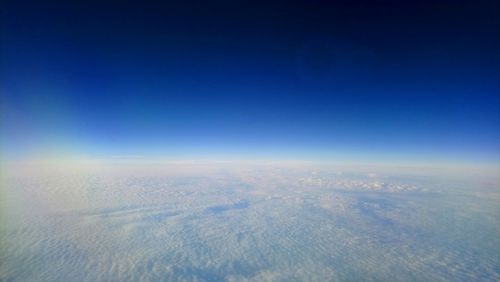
313	79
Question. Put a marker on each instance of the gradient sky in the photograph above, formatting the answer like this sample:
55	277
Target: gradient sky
347	80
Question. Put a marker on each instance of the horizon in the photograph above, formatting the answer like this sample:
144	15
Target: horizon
194	140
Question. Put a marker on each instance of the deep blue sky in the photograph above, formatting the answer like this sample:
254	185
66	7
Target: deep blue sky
359	80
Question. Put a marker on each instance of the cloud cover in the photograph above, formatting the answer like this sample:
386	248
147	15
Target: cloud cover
213	221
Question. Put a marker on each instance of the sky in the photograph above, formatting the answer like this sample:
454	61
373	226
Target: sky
327	80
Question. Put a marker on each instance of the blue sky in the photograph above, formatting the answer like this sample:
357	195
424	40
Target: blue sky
307	80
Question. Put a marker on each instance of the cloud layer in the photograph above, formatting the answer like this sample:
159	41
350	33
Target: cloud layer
245	222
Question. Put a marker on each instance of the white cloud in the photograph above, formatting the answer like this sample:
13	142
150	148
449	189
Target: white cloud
203	221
